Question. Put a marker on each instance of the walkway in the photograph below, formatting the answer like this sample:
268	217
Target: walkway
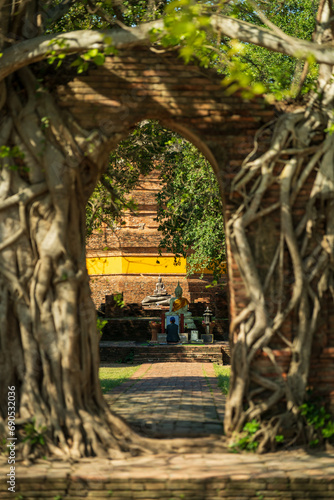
171	399
175	399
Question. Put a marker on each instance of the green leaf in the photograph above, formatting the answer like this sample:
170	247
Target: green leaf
187	52
92	53
99	59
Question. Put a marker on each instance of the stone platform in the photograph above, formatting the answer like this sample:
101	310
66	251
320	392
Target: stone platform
296	475
134	352
292	475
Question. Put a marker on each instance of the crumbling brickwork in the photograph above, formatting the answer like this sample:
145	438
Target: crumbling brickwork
137	233
136	288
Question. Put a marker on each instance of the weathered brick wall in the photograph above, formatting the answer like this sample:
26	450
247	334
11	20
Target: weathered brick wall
200	476
135	234
138	84
135	287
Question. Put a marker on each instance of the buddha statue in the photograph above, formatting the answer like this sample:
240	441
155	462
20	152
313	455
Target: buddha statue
160	296
179	305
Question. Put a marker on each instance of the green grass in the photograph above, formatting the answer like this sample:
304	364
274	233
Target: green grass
223	374
110	377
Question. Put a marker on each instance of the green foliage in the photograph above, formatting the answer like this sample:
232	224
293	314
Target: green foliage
319	421
112	377
118	299
8	152
246	67
247	440
34	436
330	129
95	56
106	13
12	157
91	56
100	323
278	71
45	121
190	210
77	18
223	374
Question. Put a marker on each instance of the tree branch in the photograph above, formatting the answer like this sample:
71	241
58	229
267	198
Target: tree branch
36	49
247	32
30	51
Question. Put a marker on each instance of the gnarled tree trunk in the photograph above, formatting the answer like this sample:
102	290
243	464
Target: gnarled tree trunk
301	152
49	167
49	342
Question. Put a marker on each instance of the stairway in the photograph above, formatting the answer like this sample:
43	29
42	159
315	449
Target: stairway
118	352
178	353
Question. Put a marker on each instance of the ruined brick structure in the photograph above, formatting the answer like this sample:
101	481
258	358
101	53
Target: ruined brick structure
139	84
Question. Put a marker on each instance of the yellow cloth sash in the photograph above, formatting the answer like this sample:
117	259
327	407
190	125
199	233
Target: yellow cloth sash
179	303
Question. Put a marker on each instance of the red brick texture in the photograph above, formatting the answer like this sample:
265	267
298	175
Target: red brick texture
137	233
138	84
136	287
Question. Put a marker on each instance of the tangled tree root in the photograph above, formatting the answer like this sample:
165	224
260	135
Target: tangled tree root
298	273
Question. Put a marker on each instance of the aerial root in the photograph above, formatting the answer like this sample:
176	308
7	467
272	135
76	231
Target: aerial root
254	327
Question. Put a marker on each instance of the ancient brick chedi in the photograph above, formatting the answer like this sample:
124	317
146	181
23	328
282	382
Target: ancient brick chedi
126	259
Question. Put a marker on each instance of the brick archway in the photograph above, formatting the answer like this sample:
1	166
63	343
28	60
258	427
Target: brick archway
139	84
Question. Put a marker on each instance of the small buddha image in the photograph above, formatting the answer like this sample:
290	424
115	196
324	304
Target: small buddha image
160	296
178	303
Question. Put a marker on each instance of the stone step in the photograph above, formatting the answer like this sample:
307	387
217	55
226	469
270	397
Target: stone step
218	353
177	360
195	352
178	354
181	355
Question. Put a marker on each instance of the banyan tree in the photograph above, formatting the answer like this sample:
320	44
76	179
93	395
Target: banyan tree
49	166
